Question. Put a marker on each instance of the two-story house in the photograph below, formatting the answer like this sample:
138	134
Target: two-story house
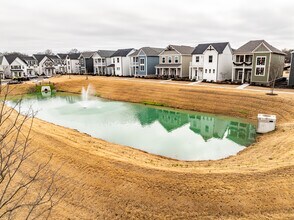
73	63
32	66
18	66
61	67
46	64
257	62
291	76
102	59
211	62
86	63
120	65
174	61
144	60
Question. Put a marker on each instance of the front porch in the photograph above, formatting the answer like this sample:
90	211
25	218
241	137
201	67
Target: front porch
242	75
171	71
196	73
101	70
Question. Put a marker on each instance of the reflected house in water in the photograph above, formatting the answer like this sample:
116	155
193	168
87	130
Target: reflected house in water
241	133
208	127
146	116
171	120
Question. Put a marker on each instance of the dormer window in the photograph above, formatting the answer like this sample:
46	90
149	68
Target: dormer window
210	59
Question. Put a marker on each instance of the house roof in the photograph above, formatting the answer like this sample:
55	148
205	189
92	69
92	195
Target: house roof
122	52
62	55
11	57
74	56
105	53
1	58
183	49
250	46
87	54
149	51
219	47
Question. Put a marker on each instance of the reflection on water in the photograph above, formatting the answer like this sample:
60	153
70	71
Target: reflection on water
171	133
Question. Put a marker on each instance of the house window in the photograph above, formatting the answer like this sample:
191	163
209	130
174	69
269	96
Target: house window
117	60
169	60
260	66
197	59
142	61
210	59
260	61
118	68
163	59
259	71
209	70
113	60
176	59
205	70
213	70
142	68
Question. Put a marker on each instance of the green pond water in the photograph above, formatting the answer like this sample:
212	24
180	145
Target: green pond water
167	132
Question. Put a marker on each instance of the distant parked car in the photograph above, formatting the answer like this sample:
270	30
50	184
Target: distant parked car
11	82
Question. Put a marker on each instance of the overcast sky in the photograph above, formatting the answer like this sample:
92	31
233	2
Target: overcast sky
36	25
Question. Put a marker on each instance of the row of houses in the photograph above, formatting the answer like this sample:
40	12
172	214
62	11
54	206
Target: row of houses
254	62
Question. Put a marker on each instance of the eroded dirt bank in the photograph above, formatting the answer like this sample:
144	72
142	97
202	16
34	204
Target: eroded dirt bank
110	181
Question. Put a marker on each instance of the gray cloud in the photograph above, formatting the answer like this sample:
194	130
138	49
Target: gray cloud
31	26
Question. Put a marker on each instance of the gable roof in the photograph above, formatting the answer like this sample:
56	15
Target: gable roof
74	56
250	46
62	55
151	51
11	57
122	52
105	53
39	57
87	54
182	49
219	47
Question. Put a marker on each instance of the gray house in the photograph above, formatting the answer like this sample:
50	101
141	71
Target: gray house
144	60
291	77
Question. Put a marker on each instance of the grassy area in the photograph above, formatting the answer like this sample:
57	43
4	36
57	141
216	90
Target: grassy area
154	103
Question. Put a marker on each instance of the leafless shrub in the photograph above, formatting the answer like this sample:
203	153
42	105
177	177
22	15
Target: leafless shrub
27	188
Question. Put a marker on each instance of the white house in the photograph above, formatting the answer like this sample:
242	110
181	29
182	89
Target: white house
121	62
212	62
73	63
102	59
18	66
61	66
46	65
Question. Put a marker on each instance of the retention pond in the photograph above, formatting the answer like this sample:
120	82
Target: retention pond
162	131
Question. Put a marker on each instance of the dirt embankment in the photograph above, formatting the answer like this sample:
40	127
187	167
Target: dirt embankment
105	180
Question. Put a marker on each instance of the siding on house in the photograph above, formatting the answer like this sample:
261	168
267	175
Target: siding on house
276	66
264	78
151	63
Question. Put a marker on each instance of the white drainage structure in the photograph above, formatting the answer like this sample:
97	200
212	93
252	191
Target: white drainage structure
45	89
266	123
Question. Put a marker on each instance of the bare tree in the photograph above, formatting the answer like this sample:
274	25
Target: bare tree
48	52
74	51
275	73
27	189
